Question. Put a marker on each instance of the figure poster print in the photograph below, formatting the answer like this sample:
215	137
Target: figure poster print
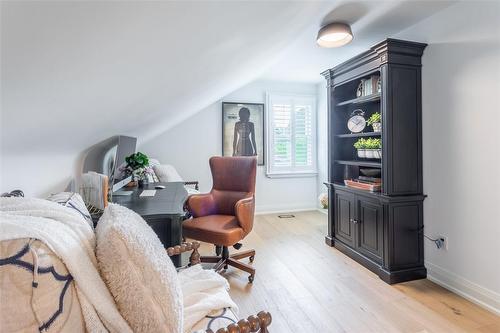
243	130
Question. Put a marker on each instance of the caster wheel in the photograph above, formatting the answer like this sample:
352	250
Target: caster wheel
251	258
250	279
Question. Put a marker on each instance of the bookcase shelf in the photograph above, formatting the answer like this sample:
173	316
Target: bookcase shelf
361	100
382	231
358	135
367	163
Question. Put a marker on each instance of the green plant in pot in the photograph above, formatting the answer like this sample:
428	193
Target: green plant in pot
360	146
369	148
137	165
375	121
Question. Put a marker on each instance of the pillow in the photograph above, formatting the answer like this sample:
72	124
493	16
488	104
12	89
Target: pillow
138	272
167	173
153	162
73	201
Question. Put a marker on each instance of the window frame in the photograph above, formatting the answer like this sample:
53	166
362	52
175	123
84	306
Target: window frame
293	171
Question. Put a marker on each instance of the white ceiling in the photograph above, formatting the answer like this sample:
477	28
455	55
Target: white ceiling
75	73
371	22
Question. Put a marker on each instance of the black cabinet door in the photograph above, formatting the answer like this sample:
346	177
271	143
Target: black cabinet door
369	225
344	217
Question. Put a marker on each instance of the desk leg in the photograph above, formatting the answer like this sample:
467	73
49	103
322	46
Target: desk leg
176	237
169	230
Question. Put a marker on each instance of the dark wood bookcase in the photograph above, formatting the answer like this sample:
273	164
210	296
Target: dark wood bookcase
381	230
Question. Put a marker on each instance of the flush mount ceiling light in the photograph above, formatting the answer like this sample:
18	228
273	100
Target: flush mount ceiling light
334	35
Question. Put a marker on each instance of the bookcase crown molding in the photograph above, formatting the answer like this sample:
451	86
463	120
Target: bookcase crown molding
389	51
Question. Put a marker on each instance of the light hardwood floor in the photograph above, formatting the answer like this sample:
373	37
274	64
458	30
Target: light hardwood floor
310	287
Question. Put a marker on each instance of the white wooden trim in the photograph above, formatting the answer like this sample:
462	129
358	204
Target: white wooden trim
291	174
322	210
288	208
298	171
475	293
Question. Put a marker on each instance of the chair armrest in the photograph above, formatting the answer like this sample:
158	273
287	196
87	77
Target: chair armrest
244	209
194	259
201	205
258	323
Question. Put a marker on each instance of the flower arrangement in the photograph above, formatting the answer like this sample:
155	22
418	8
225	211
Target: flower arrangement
137	165
323	200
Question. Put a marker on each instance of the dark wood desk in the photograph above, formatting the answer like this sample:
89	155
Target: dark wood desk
164	212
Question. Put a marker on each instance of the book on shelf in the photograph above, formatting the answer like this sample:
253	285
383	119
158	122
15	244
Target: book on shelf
376	180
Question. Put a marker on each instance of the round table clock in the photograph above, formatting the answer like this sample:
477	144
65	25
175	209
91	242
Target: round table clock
357	121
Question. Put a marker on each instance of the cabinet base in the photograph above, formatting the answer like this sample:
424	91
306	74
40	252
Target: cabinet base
410	274
390	277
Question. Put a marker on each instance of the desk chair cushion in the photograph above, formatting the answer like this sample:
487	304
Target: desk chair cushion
216	229
138	272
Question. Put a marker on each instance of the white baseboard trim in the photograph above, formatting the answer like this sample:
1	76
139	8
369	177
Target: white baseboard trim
274	209
321	210
483	297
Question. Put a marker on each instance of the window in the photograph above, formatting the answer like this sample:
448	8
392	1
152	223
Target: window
291	130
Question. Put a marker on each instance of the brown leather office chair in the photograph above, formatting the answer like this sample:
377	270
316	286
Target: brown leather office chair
225	215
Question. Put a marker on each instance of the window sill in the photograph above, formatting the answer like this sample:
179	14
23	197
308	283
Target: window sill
292	174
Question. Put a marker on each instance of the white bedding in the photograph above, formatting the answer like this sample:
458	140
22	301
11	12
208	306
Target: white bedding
204	291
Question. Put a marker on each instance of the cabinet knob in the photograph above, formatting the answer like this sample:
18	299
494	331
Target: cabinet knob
354	221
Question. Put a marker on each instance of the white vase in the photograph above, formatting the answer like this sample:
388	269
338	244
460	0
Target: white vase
362	153
377	127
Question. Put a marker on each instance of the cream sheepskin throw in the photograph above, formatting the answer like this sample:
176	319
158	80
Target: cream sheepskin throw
138	272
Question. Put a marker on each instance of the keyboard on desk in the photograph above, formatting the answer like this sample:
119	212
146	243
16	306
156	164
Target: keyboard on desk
148	193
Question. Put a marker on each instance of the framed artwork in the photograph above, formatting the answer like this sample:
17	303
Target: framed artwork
243	130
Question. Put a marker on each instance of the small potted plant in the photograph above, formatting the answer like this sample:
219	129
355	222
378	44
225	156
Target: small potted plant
137	165
369	148
375	121
373	148
360	146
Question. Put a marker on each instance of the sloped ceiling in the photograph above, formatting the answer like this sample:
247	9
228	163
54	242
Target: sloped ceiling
75	73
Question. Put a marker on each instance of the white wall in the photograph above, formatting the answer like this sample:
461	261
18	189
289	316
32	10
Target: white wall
37	174
461	138
322	138
189	145
76	73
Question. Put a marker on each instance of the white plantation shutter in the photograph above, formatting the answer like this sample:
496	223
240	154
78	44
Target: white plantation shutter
282	135
303	135
292	135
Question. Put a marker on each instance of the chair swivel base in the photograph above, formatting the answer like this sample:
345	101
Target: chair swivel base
225	259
